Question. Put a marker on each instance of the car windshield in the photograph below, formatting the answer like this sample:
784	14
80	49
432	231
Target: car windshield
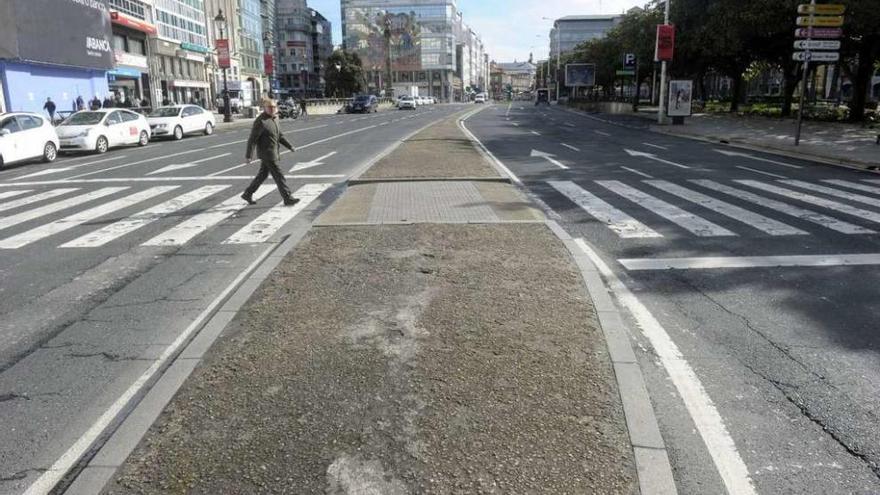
84	118
165	112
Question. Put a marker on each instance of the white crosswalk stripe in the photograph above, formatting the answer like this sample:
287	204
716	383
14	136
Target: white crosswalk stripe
858	198
785	208
854	185
80	218
760	222
816	200
36	198
624	225
127	225
42	211
188	229
12	194
688	221
265	226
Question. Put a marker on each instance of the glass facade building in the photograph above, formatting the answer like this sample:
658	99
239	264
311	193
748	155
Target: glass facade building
569	32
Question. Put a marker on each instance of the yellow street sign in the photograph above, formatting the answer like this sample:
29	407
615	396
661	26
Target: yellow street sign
835	21
822	9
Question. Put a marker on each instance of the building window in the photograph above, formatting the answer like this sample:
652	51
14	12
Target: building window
119	42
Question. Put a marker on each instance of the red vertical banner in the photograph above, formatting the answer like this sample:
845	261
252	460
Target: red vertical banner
665	46
223	54
268	63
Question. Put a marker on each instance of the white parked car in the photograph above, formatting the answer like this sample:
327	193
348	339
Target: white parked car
406	103
175	121
480	98
26	136
102	129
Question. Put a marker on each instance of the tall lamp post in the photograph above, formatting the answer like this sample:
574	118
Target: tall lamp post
220	22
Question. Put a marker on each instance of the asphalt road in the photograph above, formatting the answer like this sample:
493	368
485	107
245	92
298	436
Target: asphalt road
774	368
106	259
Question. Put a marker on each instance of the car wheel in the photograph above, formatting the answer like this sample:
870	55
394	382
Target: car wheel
50	152
144	139
102	145
209	129
178	133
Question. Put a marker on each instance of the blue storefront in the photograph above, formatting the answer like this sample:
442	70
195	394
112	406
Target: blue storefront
61	56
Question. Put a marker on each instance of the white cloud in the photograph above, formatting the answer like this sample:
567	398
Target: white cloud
512	31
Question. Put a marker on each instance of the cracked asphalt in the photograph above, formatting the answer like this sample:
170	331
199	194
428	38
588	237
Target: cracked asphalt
788	356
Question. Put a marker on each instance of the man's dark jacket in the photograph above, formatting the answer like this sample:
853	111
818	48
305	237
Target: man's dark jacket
267	138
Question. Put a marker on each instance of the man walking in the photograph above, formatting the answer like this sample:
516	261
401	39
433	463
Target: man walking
49	107
266	136
303	111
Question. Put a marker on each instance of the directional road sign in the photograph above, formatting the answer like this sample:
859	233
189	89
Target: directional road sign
833	21
824	33
822	9
817	45
816	56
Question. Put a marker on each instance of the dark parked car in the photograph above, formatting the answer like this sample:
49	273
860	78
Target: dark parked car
364	104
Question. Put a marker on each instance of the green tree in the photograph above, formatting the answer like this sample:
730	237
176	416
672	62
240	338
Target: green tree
344	75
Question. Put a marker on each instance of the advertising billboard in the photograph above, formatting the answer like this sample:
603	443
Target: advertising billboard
664	48
580	75
74	33
223	58
680	97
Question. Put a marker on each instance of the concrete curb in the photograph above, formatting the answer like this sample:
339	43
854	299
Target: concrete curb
652	461
100	469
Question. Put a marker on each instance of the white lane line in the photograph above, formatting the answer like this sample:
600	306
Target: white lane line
761	172
656	146
637	172
313	143
688	221
35	198
622	224
760	222
785	208
708	421
181	166
124	165
12	194
266	225
127	225
816	200
758	158
186	230
602	133
872	181
569	124
52	476
858	198
26	216
67	223
854	185
515	124
227	144
716	262
68	168
570	147
536	133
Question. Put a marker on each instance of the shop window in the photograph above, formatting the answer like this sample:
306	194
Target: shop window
119	42
137	47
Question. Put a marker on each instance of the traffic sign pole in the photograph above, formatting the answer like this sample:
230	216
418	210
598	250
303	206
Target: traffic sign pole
797	134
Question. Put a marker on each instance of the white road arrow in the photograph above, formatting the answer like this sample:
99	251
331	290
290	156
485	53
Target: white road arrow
758	158
651	156
179	166
313	163
549	158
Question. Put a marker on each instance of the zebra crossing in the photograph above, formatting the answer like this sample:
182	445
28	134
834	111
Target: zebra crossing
102	214
713	209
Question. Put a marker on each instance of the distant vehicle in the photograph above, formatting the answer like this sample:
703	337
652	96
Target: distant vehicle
542	96
288	109
406	102
26	136
178	120
432	100
102	129
365	104
480	98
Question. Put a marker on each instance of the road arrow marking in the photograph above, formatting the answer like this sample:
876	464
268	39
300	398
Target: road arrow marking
313	163
549	158
654	157
758	158
179	166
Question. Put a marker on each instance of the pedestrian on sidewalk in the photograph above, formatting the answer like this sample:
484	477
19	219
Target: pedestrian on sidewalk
267	138
49	107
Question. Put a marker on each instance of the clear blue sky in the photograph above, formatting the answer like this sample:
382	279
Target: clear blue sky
510	28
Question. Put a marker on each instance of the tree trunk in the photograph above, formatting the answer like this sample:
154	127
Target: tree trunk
790	83
737	91
862	79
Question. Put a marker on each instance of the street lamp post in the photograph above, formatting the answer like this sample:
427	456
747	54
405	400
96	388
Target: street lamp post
661	111
220	22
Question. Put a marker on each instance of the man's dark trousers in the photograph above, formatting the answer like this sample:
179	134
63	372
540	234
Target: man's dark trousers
266	168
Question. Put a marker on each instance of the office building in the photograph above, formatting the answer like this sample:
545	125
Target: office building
514	78
133	25
304	45
250	46
270	48
570	31
180	50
